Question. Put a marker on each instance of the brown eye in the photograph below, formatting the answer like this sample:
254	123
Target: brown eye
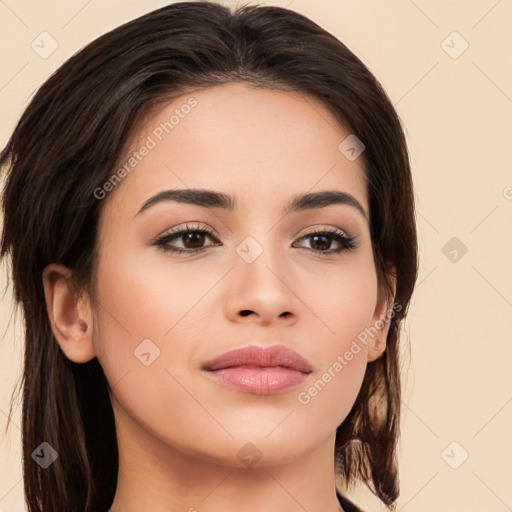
192	240
321	241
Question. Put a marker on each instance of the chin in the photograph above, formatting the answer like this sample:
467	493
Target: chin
258	449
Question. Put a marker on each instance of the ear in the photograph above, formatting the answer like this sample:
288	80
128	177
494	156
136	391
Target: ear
382	318
70	315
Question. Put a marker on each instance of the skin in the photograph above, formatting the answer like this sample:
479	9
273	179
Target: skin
178	431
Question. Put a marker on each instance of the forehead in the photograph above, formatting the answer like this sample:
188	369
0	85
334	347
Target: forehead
250	142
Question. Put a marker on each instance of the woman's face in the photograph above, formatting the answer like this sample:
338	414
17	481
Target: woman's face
258	277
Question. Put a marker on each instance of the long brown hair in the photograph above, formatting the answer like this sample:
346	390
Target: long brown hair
67	144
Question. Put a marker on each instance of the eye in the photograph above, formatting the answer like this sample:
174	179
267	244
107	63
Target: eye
321	241
192	239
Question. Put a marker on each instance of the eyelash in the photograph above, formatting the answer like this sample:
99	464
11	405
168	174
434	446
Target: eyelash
347	242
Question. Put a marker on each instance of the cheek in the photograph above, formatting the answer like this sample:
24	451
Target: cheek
327	400
148	298
344	300
328	397
146	314
347	307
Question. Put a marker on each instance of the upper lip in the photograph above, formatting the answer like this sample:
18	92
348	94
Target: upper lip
264	357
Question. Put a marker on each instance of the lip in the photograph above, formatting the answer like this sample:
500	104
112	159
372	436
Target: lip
259	370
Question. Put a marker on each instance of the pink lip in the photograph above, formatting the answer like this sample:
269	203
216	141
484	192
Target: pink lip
259	370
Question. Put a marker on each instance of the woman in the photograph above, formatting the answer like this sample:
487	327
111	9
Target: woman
210	219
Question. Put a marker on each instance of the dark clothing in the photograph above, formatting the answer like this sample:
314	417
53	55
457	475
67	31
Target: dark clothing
347	505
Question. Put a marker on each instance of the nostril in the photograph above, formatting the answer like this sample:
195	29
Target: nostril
245	312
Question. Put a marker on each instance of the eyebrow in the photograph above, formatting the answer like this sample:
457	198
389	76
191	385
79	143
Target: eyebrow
212	199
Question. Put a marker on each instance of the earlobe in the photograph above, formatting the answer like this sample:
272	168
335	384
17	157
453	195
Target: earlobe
382	319
69	314
377	346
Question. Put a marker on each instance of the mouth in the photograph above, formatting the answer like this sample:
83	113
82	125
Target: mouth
259	370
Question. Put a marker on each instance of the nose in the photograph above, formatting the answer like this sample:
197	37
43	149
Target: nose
261	291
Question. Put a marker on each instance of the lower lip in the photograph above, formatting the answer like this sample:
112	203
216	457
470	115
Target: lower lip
264	381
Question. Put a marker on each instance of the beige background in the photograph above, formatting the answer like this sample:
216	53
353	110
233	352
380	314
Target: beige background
457	113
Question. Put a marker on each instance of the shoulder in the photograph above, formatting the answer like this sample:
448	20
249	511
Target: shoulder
346	504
